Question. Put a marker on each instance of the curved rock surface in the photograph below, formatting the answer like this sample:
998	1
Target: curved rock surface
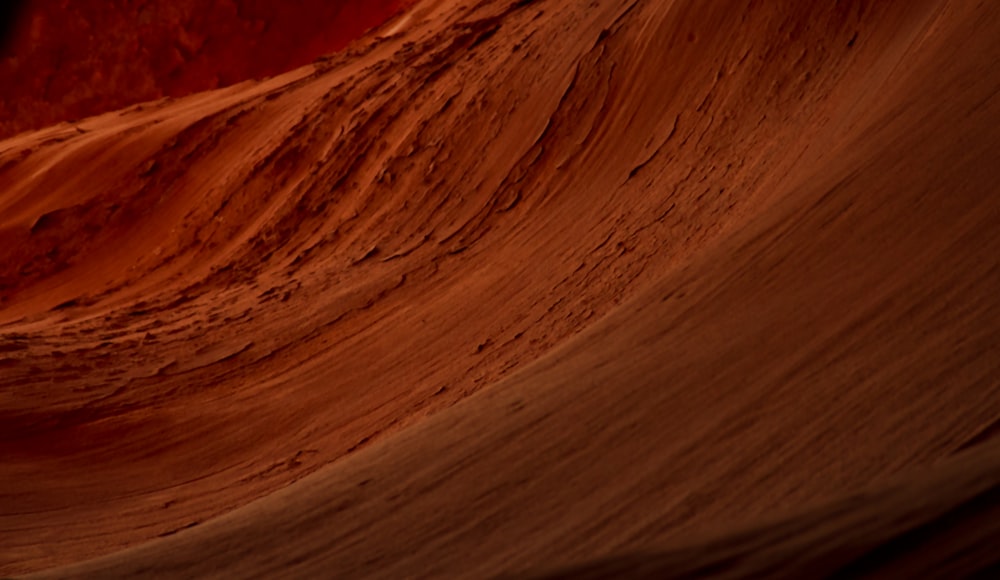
520	287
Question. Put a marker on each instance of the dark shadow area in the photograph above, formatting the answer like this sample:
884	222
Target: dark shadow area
10	14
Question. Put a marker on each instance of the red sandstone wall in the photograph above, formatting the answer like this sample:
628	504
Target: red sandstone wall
70	59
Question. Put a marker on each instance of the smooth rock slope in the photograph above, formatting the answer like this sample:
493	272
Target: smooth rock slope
521	287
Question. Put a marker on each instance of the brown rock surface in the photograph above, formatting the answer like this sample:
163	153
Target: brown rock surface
510	286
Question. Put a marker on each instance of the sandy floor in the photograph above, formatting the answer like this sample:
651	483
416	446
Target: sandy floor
514	288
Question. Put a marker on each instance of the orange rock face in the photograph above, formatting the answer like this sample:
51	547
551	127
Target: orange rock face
67	60
505	288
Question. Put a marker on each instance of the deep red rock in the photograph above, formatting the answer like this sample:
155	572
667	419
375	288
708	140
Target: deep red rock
67	60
